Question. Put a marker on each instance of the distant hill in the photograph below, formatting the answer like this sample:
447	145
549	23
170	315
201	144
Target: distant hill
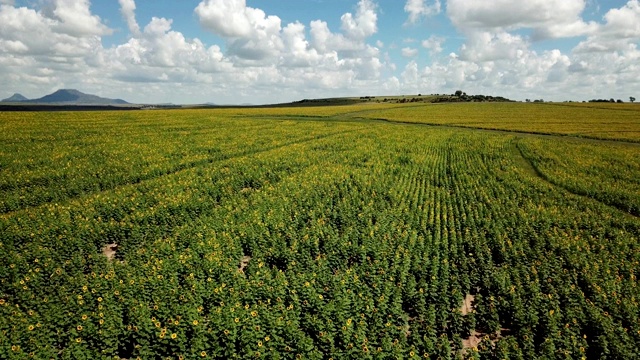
75	97
15	98
65	97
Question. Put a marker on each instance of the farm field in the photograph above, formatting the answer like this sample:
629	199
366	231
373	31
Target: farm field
369	231
586	120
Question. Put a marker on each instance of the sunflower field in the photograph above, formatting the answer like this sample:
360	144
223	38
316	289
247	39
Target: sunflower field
232	233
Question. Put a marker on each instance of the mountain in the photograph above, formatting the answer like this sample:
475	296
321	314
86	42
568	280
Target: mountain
75	97
15	98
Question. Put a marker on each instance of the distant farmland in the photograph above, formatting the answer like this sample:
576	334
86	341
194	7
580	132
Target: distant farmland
491	231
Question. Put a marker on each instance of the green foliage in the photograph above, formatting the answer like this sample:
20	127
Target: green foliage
360	240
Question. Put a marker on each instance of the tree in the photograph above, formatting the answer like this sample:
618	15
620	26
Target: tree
632	99
458	93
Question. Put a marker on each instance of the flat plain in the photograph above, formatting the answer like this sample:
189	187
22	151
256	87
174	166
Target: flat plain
484	231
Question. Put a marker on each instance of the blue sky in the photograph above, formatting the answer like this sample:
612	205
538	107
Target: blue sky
264	51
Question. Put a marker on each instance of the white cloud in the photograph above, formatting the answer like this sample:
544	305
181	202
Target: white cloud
228	18
43	47
485	46
260	52
351	43
160	47
547	18
74	18
364	24
410	76
261	59
433	44
522	76
71	31
623	22
421	8
494	59
127	9
256	38
251	34
409	52
620	32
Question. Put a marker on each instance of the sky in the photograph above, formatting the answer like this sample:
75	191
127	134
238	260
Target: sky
270	51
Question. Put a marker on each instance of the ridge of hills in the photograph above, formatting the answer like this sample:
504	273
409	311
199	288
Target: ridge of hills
66	97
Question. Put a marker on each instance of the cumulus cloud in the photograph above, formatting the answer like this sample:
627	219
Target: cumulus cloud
258	41
262	59
433	44
325	41
251	34
485	46
127	9
623	22
261	53
547	18
418	9
620	32
228	18
410	75
495	56
158	46
521	76
70	29
73	17
45	45
363	24
351	42
409	52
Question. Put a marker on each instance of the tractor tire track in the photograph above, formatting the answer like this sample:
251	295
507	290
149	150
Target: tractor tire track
530	167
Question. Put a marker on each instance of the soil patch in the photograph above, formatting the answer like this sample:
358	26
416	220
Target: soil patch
243	263
476	337
467	304
109	251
